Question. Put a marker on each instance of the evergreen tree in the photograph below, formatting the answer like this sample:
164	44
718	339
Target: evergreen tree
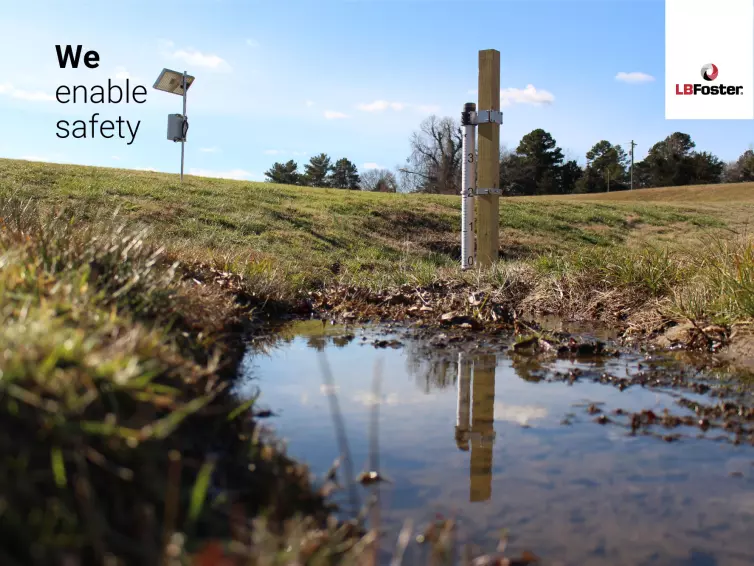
672	162
705	168
317	171
537	167
284	173
570	173
669	161
607	163
344	175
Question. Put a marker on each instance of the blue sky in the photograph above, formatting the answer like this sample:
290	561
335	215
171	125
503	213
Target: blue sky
289	79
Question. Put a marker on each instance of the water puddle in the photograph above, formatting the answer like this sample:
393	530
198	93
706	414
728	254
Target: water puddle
505	441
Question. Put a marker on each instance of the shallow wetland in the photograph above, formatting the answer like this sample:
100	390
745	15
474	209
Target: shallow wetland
580	450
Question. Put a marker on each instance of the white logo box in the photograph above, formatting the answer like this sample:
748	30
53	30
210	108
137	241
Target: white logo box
704	32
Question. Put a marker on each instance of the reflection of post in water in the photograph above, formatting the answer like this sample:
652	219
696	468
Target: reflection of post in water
482	427
477	377
463	411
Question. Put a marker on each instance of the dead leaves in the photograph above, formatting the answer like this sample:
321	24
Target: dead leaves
439	304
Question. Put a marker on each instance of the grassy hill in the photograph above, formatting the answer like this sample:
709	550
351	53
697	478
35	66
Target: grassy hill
295	235
723	193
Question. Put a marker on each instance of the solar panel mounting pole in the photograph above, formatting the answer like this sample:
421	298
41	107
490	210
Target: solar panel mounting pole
174	82
183	139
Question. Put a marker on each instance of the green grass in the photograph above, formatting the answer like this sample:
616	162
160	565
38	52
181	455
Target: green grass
292	236
674	244
285	241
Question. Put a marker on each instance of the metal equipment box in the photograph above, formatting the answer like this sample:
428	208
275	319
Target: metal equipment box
176	131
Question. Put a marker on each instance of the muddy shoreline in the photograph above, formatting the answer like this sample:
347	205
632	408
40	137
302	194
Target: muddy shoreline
462	308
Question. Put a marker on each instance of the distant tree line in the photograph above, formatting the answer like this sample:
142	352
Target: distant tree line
343	174
536	167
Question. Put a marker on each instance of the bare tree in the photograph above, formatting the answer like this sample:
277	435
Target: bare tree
435	162
740	170
379	180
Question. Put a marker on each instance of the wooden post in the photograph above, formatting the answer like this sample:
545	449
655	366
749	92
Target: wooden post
482	428
488	171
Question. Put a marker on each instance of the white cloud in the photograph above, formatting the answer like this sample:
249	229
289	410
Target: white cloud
115	157
332	115
371	165
309	103
29	95
528	95
151	170
428	108
369	399
252	43
195	58
299	153
380	105
634	78
122	74
520	414
209	149
236	174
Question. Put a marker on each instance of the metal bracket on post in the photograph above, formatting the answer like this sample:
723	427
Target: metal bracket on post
489	191
488	117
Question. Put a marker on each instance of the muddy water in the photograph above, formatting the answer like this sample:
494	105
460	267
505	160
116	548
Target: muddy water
500	442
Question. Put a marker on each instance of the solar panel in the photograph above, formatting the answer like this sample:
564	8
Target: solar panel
172	81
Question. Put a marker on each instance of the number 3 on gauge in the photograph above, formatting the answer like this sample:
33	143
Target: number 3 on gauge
471	158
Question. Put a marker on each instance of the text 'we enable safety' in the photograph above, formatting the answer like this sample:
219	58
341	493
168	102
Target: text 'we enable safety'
111	93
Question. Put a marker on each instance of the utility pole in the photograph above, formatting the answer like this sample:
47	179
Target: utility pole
633	144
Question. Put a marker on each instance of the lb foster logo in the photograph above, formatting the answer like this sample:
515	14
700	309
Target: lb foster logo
709	73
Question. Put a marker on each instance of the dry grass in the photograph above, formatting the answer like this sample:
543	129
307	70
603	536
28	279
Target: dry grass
117	427
722	193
